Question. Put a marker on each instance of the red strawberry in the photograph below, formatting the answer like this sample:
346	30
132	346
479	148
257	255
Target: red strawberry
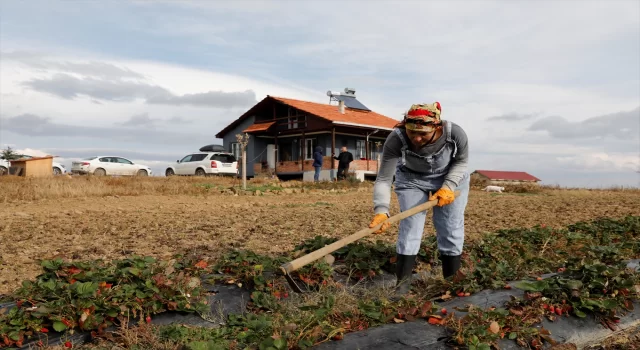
444	311
551	309
545	306
68	344
558	311
148	319
44	330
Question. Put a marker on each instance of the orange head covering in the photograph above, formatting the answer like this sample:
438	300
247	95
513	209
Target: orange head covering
423	117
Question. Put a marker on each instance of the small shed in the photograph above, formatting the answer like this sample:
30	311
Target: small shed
495	177
32	167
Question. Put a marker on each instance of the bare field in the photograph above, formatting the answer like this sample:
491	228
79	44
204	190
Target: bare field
88	218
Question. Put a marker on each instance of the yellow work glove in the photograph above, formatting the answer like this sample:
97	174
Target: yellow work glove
377	219
444	196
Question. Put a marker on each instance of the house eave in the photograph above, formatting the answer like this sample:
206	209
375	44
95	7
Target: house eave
363	125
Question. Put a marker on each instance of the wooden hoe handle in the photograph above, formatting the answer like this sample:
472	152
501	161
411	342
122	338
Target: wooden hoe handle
328	249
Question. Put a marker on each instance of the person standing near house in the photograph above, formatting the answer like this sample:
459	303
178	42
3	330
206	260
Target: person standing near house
426	154
344	158
317	162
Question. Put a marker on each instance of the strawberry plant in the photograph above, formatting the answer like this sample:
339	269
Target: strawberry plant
589	287
92	296
241	266
483	328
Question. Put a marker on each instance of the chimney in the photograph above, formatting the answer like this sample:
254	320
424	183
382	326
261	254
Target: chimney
341	107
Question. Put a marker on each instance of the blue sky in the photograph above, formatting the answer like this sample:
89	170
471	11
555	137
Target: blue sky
552	88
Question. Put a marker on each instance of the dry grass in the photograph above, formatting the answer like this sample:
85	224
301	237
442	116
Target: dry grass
13	189
16	189
19	189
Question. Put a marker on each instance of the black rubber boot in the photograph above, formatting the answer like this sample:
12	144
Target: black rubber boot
450	264
404	268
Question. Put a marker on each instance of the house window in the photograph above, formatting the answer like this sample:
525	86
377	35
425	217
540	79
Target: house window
310	145
361	151
236	150
293	122
373	153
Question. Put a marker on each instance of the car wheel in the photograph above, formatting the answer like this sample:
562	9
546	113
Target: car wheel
169	172
200	172
56	171
142	172
100	172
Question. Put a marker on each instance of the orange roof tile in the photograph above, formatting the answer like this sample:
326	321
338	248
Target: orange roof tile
331	112
258	127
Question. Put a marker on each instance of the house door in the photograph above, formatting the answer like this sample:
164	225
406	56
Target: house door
271	156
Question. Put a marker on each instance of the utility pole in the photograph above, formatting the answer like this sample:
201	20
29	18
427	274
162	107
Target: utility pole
243	140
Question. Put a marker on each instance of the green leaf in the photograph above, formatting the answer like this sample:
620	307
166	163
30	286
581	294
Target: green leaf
49	265
484	346
59	326
513	335
280	343
15	335
50	285
532	286
573	284
610	304
580	313
134	271
112	313
41	311
86	288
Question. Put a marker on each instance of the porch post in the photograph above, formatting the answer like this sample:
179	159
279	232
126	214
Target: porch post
333	149
275	167
304	152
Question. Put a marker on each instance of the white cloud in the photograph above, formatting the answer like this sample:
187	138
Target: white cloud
603	162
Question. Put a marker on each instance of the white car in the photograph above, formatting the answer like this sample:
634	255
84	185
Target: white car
109	165
58	169
4	166
205	163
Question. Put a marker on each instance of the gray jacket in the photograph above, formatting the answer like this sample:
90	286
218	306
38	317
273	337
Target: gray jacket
392	159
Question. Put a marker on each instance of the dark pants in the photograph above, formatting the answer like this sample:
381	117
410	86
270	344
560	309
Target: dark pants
316	175
342	172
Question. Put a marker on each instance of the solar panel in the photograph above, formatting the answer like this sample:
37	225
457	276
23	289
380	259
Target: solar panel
351	102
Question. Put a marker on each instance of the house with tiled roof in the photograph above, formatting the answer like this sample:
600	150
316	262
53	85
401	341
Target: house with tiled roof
284	132
496	177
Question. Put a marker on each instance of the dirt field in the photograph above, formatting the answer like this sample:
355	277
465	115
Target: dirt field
78	218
